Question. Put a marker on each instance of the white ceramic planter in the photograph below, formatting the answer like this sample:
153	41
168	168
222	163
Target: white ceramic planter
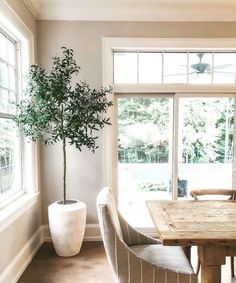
67	226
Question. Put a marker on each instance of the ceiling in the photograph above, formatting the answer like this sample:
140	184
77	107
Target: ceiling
134	10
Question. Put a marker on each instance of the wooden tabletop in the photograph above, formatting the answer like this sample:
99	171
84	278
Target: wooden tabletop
191	222
210	225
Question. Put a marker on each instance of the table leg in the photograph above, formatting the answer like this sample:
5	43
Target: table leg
210	274
211	258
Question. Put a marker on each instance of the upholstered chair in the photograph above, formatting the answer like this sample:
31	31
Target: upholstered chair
137	258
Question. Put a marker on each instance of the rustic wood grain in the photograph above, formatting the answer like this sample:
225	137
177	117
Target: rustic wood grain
198	221
210	225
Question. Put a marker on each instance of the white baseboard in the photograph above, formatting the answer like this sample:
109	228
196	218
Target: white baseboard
92	233
18	265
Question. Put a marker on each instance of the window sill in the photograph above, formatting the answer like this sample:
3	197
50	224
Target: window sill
14	210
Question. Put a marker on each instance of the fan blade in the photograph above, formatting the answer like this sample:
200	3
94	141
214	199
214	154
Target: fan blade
223	66
222	72
168	75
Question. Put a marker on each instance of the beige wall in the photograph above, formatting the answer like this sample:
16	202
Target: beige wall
23	13
85	169
18	234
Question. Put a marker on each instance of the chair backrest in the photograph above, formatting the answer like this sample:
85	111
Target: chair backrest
229	194
109	225
107	210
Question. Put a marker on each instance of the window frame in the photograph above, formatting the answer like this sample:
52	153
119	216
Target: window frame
13	193
176	140
14	205
111	45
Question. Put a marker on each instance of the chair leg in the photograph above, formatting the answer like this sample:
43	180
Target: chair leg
187	251
198	266
232	266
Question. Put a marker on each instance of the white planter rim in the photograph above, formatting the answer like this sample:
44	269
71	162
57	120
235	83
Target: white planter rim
68	201
76	205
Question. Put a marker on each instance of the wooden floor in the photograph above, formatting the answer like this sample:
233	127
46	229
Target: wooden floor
89	266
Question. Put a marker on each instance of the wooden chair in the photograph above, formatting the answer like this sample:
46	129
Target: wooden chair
229	194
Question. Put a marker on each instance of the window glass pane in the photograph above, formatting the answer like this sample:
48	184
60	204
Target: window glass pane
150	67
200	68
3	47
144	154
9	157
125	67
175	67
11	53
7	101
206	128
3	75
224	68
12	78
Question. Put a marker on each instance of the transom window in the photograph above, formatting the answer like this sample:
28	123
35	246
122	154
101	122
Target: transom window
196	67
10	145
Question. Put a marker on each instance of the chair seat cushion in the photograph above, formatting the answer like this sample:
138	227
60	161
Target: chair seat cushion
172	258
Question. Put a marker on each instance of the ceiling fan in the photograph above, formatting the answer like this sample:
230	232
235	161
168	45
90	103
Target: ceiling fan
201	67
206	68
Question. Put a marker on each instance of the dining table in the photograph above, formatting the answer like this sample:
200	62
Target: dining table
209	225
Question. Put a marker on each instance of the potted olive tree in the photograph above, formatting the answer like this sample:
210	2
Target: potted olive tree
56	109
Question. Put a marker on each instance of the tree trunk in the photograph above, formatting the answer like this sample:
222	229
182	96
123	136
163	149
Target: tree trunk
226	147
64	168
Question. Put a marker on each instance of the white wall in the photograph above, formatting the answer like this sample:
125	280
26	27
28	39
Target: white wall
16	243
85	169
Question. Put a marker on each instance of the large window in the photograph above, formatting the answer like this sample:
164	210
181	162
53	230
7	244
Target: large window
206	136
204	133
144	152
10	145
173	120
171	143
